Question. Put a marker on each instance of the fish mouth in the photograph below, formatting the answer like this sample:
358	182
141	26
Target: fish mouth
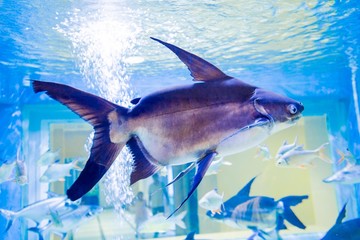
327	180
294	120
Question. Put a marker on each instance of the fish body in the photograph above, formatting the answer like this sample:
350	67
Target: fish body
287	147
58	172
48	158
212	201
69	221
218	115
262	214
300	158
21	173
350	174
348	230
264	152
154	118
159	223
6	171
37	211
215	165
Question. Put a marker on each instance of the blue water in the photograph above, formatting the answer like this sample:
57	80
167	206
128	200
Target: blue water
307	50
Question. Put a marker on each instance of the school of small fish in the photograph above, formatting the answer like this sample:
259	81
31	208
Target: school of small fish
301	158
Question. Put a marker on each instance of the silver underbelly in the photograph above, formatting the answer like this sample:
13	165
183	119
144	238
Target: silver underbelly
177	151
243	140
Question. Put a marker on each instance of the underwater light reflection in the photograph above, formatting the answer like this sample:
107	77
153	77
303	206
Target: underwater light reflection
101	45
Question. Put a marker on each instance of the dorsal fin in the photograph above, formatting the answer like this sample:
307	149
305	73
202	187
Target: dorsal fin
200	69
245	191
341	216
242	196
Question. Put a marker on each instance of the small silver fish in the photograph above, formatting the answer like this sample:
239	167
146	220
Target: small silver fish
350	174
212	201
20	173
6	171
215	165
37	211
300	158
58	171
69	221
48	158
263	152
287	147
159	223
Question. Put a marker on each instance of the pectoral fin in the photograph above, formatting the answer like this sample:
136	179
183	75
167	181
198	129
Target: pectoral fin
182	173
202	166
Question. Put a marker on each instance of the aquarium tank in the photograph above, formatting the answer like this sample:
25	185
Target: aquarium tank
199	148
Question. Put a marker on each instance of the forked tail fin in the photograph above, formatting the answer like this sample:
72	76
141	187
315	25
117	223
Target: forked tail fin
288	214
10	216
322	153
41	231
179	220
103	116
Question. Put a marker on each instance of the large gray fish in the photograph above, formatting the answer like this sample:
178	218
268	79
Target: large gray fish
263	215
349	230
217	115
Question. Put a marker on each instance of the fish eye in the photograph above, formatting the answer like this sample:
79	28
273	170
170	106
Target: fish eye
292	109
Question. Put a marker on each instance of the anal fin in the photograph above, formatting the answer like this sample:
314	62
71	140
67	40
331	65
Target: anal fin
143	162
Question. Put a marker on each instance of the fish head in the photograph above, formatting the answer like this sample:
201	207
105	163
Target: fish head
221	215
343	176
281	162
281	111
